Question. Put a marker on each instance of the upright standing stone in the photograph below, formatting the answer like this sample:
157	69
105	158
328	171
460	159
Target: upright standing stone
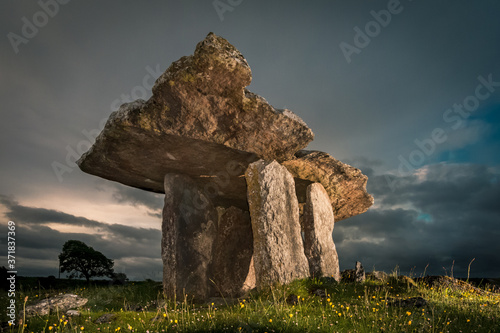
274	211
232	253
189	232
359	272
354	275
317	225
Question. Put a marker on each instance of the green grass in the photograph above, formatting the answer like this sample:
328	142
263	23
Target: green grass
348	307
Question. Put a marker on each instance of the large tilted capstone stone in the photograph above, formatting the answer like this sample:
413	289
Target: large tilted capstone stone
317	225
233	271
188	234
278	247
200	121
345	185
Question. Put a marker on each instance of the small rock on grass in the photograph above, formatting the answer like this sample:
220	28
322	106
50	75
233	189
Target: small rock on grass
60	303
354	275
377	276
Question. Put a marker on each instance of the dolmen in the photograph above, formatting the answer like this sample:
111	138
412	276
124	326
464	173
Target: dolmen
245	206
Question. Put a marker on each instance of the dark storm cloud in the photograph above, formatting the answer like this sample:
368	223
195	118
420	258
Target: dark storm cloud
33	215
37	242
115	246
448	215
469	186
38	248
70	75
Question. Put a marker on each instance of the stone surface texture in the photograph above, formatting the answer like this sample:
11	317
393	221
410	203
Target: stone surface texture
61	303
359	272
188	234
232	253
206	141
278	247
317	226
345	185
377	276
200	121
354	275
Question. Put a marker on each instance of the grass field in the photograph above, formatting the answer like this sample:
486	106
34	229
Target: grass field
319	306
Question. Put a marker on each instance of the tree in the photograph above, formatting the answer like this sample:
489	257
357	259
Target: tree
81	260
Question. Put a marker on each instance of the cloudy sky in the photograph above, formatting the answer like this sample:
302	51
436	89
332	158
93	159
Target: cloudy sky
408	91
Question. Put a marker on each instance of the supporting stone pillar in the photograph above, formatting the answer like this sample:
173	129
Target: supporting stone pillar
317	225
188	233
274	210
233	271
